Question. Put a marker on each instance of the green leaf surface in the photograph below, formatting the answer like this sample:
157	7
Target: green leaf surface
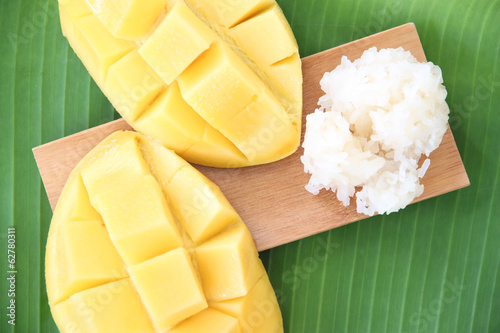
432	267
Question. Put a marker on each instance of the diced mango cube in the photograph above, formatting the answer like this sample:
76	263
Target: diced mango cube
199	204
262	130
215	147
257	312
185	37
286	77
89	259
171	119
253	37
138	219
76	8
68	319
230	12
74	203
219	84
113	307
119	155
208	321
163	163
131	84
128	19
228	264
97	48
169	288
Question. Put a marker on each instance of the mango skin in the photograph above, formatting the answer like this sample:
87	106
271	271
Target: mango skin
191	248
218	82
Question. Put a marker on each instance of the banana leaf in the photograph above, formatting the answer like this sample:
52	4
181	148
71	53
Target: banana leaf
432	267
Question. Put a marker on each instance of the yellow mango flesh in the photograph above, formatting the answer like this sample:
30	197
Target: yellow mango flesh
227	269
214	146
97	48
183	70
256	312
138	219
253	37
209	321
180	38
112	307
89	259
75	9
75	204
229	13
284	76
169	288
128	97
142	241
127	19
199	205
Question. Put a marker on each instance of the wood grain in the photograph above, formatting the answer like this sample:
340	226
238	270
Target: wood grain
271	198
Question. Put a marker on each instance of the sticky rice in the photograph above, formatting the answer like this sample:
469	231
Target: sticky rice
380	114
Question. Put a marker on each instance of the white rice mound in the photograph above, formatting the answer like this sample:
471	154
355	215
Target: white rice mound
378	116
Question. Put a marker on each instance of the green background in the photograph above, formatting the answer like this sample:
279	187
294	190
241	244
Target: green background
430	268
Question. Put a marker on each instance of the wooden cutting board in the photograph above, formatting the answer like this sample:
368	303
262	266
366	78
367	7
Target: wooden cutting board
271	198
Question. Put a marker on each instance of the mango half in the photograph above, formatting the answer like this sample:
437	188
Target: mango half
217	81
140	241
